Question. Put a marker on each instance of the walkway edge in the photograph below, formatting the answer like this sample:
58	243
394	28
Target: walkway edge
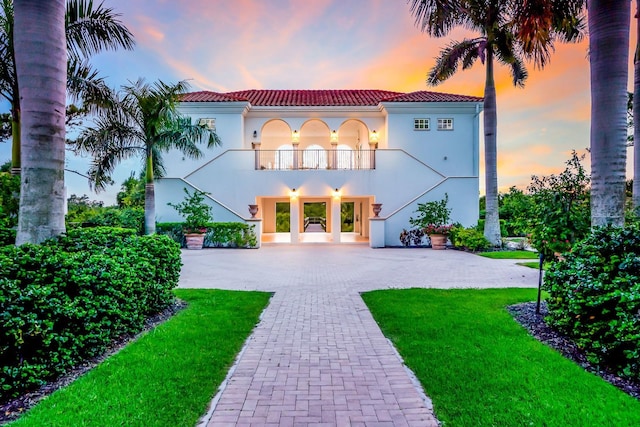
204	420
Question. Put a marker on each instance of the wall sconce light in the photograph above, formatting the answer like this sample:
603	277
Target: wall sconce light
293	193
336	193
295	136
255	133
373	137
334	136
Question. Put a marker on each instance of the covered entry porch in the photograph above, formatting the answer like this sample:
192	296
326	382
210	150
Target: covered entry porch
315	219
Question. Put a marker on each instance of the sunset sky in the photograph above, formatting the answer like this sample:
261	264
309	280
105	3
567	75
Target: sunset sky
227	45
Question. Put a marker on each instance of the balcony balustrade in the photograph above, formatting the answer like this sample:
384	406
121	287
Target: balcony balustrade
315	159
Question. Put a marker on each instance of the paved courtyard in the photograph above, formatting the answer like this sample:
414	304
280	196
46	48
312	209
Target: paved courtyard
317	358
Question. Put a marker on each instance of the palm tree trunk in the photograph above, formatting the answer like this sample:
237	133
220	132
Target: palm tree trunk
636	114
492	218
609	55
41	67
149	197
15	140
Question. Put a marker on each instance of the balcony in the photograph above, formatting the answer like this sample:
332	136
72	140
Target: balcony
312	159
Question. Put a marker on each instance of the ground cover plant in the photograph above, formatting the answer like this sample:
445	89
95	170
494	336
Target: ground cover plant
167	376
481	368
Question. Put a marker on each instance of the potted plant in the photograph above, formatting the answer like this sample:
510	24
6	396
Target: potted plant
434	219
197	216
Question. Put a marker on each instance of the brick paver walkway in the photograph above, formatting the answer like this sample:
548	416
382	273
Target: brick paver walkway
318	358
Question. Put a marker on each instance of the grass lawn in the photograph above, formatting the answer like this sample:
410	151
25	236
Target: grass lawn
481	368
534	264
165	378
510	255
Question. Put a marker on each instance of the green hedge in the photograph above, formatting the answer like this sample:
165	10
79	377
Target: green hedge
69	298
7	236
594	297
219	234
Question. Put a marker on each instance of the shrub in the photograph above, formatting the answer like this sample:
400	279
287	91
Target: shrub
594	297
115	217
470	239
68	298
413	237
218	234
7	236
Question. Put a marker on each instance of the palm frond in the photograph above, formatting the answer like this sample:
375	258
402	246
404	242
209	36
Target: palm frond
8	77
92	29
508	52
436	17
84	84
456	53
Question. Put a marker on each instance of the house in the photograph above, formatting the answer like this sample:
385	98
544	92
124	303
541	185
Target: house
320	159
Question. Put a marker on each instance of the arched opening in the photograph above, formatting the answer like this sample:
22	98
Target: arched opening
314	157
314	133
275	133
355	134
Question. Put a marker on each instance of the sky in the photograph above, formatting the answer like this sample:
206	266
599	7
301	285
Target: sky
229	45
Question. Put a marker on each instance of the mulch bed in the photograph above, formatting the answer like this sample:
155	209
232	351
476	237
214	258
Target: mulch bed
12	409
525	314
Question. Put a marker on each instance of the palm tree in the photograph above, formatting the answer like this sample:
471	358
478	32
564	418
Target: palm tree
608	59
89	30
41	80
144	122
511	31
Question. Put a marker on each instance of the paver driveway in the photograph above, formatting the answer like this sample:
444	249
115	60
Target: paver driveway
317	357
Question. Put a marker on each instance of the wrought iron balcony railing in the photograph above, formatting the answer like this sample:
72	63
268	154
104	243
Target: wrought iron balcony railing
315	159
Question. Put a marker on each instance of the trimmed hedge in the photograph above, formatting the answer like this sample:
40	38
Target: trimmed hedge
595	298
7	236
69	298
219	234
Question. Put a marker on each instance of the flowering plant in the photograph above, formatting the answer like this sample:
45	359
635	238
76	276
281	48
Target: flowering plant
438	229
433	217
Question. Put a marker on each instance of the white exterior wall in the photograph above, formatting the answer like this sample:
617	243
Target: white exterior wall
410	165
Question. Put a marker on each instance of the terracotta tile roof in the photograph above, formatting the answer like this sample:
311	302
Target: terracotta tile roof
316	98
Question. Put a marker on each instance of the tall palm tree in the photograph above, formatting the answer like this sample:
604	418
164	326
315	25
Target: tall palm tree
41	79
143	122
89	30
608	58
510	32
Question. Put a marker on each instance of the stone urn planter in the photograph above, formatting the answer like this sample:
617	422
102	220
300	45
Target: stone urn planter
253	210
438	241
194	240
376	207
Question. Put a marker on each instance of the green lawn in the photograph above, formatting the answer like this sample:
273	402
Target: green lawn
481	368
165	378
510	255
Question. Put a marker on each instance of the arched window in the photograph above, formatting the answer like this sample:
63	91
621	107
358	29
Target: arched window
314	157
284	157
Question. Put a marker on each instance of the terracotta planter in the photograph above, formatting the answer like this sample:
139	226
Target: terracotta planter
194	240
438	241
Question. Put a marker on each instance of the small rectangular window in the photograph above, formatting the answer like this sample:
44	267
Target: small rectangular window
445	124
209	123
420	124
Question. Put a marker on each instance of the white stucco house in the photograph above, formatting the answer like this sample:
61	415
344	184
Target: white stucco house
343	150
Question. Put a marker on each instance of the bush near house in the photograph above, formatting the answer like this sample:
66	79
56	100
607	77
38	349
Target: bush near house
69	298
470	239
218	235
595	297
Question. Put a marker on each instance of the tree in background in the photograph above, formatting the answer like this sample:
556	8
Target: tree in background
131	192
561	213
89	30
41	83
608	58
510	31
143	122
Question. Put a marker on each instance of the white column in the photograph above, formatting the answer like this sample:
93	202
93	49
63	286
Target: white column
336	219
294	219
